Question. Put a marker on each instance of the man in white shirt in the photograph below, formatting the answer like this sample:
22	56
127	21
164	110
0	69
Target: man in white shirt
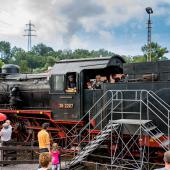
9	124
5	133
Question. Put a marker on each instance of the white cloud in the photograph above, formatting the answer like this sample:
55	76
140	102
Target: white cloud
76	42
58	21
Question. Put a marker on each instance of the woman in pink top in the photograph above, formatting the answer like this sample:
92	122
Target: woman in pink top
55	157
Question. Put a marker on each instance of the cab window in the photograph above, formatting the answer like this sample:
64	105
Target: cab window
58	82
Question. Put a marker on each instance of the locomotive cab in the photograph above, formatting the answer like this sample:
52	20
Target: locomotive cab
70	98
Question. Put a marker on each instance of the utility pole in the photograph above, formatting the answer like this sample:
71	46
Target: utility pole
28	33
149	27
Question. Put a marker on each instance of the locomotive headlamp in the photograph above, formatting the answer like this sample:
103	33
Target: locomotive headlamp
149	10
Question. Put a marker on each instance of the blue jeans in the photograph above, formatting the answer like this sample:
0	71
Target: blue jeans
56	167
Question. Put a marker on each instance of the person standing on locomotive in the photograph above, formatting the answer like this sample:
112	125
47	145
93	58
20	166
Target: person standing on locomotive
15	101
98	83
71	82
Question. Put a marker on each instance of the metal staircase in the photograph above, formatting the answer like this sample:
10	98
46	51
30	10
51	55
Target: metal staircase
92	145
150	111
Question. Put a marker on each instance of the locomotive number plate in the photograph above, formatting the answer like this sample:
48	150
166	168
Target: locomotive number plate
65	106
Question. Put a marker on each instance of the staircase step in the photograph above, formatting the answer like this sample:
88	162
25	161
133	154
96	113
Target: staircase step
107	130
97	140
166	142
102	135
151	128
111	124
157	136
92	145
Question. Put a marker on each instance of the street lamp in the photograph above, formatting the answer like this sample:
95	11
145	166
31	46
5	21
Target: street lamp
149	11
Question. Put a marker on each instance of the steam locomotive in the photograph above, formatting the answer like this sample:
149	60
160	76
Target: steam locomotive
31	99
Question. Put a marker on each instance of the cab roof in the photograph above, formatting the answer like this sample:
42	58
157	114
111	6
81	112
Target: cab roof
77	65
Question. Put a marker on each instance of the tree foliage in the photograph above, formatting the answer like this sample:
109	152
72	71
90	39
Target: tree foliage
42	50
41	57
157	52
5	51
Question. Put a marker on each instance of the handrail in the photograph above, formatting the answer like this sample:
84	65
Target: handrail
95	116
99	123
154	104
141	93
154	113
87	113
84	128
159	98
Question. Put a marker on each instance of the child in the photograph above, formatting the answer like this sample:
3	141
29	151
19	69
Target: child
55	157
44	161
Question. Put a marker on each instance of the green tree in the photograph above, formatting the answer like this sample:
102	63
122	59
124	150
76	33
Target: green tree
24	66
157	52
1	63
51	61
138	59
17	55
5	51
42	50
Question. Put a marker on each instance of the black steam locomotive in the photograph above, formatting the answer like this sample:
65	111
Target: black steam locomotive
62	94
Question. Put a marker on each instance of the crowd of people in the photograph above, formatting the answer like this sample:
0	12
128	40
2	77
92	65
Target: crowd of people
50	157
99	80
94	83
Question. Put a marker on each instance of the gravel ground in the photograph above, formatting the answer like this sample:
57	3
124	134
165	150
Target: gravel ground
24	167
20	167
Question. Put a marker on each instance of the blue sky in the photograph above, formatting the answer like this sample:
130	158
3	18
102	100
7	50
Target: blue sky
115	25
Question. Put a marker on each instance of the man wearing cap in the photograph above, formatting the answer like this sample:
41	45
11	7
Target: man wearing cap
9	124
44	139
71	82
166	160
5	133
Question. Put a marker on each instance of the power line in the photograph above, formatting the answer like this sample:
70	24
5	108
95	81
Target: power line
29	34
